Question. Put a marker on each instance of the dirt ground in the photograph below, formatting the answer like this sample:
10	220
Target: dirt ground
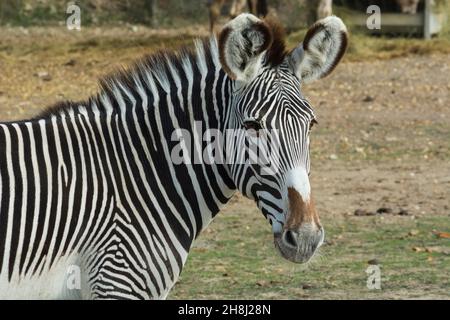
383	141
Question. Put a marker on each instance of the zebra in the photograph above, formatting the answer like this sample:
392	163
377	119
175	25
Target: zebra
92	205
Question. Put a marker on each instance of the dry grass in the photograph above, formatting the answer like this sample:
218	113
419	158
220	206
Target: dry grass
366	48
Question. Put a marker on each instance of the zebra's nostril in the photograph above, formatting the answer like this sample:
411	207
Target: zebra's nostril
290	238
299	244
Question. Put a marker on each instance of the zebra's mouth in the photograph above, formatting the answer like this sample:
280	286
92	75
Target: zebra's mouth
298	246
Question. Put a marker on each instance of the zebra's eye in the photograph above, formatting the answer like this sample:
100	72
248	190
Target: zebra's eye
252	125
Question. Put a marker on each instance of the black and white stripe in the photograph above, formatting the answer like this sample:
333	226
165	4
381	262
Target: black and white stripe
94	184
91	185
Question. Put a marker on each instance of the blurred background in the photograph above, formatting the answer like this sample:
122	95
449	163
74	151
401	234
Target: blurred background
380	156
170	13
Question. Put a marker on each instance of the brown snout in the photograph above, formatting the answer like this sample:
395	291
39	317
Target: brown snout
300	211
302	233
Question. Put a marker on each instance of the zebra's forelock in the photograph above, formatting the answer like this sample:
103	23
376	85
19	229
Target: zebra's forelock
277	52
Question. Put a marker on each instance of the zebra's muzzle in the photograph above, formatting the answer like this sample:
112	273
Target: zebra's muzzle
302	234
299	245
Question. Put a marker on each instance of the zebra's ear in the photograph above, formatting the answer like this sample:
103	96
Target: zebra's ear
322	49
242	43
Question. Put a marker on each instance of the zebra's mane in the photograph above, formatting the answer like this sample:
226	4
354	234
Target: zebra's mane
159	65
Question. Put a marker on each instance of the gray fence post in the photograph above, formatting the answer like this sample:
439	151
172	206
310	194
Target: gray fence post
427	20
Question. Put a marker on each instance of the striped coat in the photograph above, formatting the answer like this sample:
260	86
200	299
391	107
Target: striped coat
92	204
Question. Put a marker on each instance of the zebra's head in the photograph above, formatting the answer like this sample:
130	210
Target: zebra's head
267	97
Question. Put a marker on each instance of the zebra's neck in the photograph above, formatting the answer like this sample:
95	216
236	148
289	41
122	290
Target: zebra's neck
105	167
162	94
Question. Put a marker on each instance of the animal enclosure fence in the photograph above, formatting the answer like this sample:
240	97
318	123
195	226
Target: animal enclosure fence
427	22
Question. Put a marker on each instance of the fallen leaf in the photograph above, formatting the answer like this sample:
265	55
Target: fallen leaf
442	235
